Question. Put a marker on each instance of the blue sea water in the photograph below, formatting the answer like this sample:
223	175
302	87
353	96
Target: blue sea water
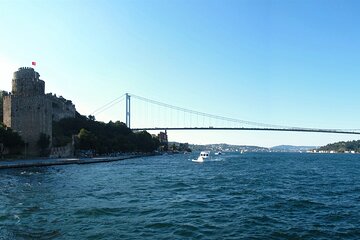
233	196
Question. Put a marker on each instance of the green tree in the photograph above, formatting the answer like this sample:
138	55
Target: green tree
144	141
11	140
87	140
91	117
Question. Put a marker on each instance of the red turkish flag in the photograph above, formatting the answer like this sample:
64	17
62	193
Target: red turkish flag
33	63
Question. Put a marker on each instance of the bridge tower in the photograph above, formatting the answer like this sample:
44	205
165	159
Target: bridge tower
127	114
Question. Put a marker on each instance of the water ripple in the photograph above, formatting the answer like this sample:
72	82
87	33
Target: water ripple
238	196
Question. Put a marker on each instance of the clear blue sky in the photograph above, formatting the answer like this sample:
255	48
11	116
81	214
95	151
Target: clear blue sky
280	62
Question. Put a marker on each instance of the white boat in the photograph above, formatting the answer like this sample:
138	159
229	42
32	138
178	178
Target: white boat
218	153
203	155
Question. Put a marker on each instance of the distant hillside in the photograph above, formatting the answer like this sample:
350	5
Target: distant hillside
228	148
235	148
342	147
290	148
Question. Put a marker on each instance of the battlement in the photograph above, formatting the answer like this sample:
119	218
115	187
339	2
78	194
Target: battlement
59	99
26	73
26	82
25	68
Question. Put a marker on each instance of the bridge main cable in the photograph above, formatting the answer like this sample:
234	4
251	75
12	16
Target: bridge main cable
233	120
262	126
108	105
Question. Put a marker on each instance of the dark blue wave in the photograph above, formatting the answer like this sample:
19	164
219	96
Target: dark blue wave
234	196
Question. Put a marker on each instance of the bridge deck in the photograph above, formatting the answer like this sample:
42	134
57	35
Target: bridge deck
252	129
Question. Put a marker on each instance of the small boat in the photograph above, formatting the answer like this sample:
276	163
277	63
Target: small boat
203	155
218	153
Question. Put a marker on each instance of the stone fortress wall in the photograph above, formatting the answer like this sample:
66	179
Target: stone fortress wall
29	116
61	108
1	104
29	111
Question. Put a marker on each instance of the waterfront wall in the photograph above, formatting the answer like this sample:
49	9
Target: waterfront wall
61	152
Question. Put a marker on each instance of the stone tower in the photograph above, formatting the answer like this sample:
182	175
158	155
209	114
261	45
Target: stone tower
29	111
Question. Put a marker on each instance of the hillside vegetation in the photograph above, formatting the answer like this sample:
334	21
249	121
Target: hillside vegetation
101	137
342	146
10	140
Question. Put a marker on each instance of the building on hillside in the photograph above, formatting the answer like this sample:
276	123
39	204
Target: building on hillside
163	139
30	112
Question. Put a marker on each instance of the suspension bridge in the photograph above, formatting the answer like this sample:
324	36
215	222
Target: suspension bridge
154	115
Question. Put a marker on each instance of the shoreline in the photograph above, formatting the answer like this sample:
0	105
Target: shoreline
6	164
